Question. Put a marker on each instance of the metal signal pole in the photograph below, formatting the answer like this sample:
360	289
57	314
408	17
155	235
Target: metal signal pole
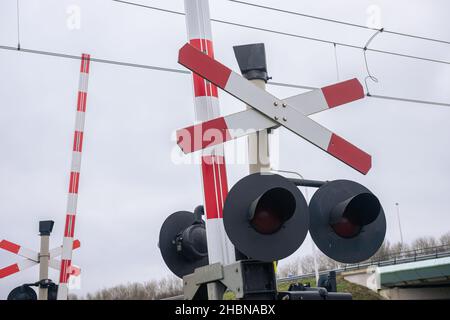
258	143
45	228
252	62
399	224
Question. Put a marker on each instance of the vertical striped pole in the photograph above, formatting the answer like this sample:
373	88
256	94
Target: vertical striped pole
206	103
66	258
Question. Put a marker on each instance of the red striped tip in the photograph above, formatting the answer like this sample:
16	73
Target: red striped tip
204	45
85	61
349	154
343	92
65	268
9	270
70	226
9	246
205	66
74	271
78	141
74	180
203	135
215	186
81	101
76	244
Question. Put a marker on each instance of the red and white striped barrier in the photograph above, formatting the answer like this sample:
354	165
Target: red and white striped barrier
291	113
206	102
66	258
32	258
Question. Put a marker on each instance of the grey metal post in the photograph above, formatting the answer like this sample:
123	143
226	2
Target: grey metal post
252	63
45	228
258	143
399	224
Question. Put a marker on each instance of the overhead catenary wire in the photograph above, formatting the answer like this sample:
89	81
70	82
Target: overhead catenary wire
342	44
336	62
442	104
369	74
350	24
18	24
180	71
107	61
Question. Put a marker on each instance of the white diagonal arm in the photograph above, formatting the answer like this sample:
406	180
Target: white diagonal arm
19	250
274	108
16	267
56	252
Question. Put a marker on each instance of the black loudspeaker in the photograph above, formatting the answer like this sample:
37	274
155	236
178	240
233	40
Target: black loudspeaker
252	61
182	241
347	221
266	217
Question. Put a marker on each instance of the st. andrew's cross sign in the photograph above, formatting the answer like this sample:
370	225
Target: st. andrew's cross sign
269	111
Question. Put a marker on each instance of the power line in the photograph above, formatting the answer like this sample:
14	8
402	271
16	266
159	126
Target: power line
150	7
18	23
339	21
292	34
369	95
301	14
289	85
369	74
114	62
336	63
180	71
442	104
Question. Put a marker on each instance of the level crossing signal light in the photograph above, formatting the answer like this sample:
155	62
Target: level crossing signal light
182	241
347	221
266	216
25	292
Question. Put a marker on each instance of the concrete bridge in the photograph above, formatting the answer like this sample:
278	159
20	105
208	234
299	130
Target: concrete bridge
427	279
418	274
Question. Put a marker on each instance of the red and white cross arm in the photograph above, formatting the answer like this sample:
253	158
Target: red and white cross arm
274	108
56	252
66	259
32	258
222	129
56	264
19	250
328	97
16	267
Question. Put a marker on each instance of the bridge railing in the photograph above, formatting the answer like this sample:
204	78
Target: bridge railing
386	260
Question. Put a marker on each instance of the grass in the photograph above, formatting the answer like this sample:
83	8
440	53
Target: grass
358	292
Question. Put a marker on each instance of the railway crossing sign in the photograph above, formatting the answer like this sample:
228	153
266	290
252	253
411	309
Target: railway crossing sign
269	111
32	258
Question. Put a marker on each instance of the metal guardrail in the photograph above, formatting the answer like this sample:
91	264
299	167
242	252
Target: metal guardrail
398	258
180	297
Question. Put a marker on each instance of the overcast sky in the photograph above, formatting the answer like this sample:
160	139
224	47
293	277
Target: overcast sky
129	181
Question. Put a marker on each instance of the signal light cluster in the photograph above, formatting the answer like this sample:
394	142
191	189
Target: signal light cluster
267	218
25	292
182	241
